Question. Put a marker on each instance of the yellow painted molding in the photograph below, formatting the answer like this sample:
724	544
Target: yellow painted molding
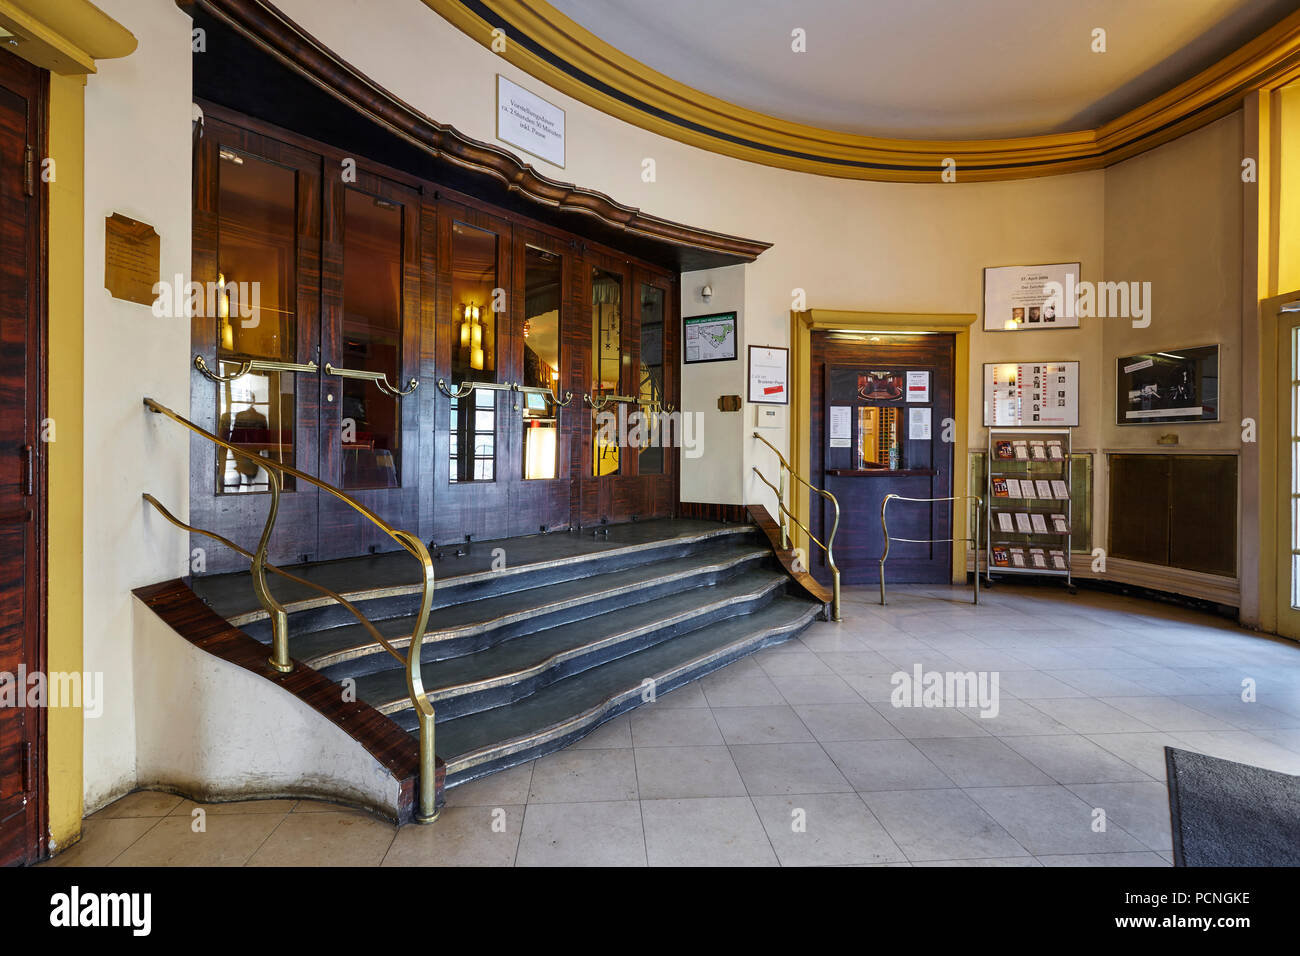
802	326
710	123
65	37
66	475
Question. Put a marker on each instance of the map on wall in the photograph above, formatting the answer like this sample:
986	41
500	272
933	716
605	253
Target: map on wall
710	338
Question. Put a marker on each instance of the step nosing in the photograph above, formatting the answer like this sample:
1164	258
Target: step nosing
435	636
591	715
396	705
477	577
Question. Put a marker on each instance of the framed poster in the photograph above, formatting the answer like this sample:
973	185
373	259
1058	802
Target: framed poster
529	122
1034	394
1181	385
769	375
709	338
1017	298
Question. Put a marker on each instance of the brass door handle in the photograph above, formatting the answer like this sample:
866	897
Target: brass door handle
379	378
253	365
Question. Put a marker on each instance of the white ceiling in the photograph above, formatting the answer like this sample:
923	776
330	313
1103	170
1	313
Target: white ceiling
930	69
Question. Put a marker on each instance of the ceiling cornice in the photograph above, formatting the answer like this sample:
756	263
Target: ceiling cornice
557	51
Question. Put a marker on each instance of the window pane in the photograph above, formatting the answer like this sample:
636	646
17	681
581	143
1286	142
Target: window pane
542	286
651	394
473	350
255	298
607	361
372	339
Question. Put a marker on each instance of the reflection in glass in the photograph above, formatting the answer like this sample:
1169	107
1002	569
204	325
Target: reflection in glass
607	362
651	458
254	312
878	441
372	339
473	352
542	275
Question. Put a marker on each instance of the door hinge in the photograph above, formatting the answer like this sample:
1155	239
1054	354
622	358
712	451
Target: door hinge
29	172
29	767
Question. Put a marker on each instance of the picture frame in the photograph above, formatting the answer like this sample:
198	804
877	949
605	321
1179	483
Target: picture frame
1014	300
769	375
709	338
1047	397
1177	386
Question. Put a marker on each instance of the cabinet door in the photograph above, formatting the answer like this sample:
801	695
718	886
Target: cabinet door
1139	508
1203	513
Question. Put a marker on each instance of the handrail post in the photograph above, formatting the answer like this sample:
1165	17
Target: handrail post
979	510
780	508
884	530
280	659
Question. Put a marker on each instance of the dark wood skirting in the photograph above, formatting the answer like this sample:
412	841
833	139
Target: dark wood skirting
811	586
706	511
274	33
182	610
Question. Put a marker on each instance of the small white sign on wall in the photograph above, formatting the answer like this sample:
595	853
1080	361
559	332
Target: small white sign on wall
526	120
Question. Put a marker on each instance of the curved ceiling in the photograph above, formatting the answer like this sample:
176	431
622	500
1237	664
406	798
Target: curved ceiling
930	69
901	90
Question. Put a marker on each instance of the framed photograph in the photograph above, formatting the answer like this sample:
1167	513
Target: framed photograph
769	375
1032	394
1157	388
709	338
1016	297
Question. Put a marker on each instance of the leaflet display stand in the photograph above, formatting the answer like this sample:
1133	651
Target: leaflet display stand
1027	503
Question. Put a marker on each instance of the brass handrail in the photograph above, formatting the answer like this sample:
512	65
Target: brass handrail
784	513
380	379
427	810
974	540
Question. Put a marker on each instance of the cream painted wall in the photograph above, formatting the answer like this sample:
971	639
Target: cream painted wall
1174	219
137	164
847	244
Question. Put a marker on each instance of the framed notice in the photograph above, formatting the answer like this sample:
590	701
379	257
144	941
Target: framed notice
1180	385
1020	298
529	122
769	375
1033	394
709	338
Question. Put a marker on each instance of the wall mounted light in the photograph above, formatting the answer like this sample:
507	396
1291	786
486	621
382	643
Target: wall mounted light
706	293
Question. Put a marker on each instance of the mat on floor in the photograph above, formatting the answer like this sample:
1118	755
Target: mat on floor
1231	814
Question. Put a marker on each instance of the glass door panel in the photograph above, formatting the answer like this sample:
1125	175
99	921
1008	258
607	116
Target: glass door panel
473	439
256	319
607	366
651	394
371	340
543	275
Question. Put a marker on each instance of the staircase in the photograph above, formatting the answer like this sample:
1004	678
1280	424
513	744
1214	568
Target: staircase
523	661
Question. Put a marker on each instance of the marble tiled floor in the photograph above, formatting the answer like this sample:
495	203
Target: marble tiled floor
721	771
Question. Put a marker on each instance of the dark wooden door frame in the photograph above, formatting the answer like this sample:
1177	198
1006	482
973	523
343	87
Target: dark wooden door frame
31	84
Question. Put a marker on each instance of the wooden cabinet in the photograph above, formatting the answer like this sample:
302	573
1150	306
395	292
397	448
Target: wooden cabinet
1179	511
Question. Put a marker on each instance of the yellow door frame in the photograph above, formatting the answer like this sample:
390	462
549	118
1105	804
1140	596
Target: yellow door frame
802	326
1275	458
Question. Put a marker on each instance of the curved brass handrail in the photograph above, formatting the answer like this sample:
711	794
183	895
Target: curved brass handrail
380	379
427	810
974	540
784	513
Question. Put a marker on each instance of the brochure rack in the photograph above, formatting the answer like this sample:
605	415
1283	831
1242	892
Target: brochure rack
1027	502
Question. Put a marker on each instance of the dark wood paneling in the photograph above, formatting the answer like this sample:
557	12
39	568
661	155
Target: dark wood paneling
1175	510
23	777
182	610
1139	508
707	511
809	584
271	67
859	541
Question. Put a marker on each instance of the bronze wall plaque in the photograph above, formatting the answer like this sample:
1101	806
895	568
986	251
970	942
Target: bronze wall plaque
132	259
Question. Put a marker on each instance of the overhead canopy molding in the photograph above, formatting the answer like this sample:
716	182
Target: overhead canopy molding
270	68
556	50
63	36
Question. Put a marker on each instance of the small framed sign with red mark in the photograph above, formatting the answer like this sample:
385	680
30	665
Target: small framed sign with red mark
769	375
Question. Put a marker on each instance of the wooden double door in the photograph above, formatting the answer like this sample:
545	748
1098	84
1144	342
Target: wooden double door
444	362
22	472
884	425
